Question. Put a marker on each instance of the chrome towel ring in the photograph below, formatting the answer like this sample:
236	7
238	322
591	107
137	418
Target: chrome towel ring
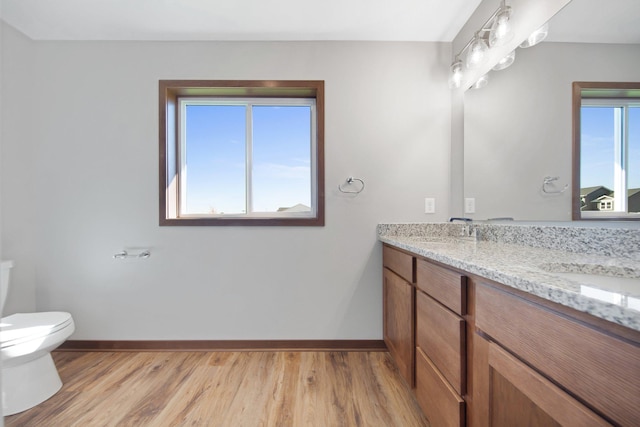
548	185
350	183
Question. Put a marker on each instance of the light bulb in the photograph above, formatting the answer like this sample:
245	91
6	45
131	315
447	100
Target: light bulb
482	82
505	62
455	77
476	54
501	29
536	37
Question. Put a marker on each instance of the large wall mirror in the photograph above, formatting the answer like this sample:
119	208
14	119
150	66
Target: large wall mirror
518	151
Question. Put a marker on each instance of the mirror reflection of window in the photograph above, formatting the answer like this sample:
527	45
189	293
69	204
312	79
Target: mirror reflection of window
608	146
634	160
608	149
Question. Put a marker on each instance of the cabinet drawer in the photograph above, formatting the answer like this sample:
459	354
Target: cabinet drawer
440	403
440	335
600	369
398	262
446	286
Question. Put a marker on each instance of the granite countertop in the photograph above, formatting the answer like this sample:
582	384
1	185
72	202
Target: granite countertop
540	271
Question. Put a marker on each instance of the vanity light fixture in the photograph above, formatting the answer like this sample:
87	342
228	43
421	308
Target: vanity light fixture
477	51
496	31
505	62
536	37
482	81
501	30
455	78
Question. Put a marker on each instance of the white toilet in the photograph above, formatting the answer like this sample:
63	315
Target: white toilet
29	375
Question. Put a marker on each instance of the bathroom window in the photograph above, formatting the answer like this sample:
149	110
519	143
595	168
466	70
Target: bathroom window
607	150
241	153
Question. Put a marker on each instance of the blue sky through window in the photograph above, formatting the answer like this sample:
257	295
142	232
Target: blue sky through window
281	157
634	147
597	147
216	158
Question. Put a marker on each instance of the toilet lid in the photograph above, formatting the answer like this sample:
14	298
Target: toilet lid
21	327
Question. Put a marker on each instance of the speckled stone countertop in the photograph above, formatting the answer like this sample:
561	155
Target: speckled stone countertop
540	260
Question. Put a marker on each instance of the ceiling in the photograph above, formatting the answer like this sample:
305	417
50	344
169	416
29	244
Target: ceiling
396	20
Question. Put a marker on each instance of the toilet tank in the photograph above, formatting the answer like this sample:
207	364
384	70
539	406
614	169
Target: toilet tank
5	270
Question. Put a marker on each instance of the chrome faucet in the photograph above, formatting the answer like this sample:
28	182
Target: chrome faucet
453	218
468	230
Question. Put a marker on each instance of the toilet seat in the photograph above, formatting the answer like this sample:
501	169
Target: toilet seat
29	375
23	327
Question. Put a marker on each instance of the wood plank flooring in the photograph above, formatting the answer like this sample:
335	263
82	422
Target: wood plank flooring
226	389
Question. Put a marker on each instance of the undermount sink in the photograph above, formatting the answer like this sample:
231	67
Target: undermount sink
612	278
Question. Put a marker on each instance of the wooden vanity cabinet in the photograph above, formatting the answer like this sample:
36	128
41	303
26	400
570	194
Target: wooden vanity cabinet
484	354
549	368
440	344
398	310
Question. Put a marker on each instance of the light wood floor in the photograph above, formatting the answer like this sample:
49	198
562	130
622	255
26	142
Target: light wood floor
226	389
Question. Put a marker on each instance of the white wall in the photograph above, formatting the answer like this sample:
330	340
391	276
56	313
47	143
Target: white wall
85	184
518	128
17	149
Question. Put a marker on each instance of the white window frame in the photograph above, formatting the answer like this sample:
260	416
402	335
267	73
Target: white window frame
183	102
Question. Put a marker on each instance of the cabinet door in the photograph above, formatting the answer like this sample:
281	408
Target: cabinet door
398	321
520	396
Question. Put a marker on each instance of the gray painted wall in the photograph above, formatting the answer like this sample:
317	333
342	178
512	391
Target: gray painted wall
79	183
16	158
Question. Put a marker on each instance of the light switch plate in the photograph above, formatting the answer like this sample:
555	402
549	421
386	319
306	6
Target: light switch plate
429	205
469	205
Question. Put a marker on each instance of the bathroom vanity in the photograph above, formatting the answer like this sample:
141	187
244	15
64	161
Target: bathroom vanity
489	332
